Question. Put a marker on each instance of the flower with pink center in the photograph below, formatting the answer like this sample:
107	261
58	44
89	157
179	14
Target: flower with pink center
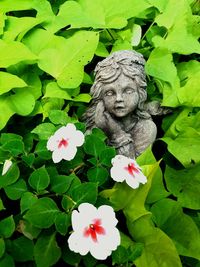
64	143
94	231
127	169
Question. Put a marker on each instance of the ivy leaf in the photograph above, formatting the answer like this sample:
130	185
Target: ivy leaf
185	185
6	111
178	226
46	250
53	90
9	81
42	214
8	55
185	147
58	117
7	227
160	65
39	179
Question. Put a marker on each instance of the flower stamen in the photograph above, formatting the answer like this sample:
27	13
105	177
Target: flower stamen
63	142
131	169
93	229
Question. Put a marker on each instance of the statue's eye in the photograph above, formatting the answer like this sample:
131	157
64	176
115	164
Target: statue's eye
128	90
109	93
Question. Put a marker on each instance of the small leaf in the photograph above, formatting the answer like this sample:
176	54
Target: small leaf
28	229
2	247
39	179
41	150
97	174
106	156
44	130
46	251
58	117
22	249
7	227
136	35
10	177
93	145
62	223
7	261
42	214
16	190
86	192
61	183
27	200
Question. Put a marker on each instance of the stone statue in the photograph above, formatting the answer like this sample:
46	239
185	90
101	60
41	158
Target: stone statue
118	105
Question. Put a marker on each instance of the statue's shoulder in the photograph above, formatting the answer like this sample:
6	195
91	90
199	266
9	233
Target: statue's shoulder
144	133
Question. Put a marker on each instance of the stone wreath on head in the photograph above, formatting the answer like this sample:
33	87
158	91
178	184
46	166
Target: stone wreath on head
127	62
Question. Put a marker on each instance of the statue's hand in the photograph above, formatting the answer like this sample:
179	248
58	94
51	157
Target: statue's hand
105	121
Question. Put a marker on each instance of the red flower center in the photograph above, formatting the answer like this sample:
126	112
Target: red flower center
63	142
131	169
94	229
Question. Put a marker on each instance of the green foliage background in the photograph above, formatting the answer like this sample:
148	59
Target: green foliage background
48	51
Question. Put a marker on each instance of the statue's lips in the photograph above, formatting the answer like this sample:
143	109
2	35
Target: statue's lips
119	107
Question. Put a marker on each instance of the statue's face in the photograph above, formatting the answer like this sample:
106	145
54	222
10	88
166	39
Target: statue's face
121	96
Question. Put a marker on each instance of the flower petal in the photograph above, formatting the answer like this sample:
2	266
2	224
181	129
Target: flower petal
78	138
117	174
78	244
6	166
57	156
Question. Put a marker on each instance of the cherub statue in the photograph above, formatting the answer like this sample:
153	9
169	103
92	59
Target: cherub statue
118	105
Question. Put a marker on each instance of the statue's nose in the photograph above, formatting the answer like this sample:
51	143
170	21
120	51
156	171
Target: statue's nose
119	97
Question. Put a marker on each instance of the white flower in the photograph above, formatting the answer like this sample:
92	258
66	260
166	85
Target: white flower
64	142
94	231
127	169
6	166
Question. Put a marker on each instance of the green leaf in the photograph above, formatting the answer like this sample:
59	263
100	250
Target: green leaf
178	226
106	156
18	27
8	55
22	102
39	179
159	250
7	261
160	65
58	117
42	214
86	192
7	227
41	150
46	251
6	111
28	159
185	147
53	90
189	94
101	50
2	247
61	183
1	205
111	14
44	130
27	200
62	58
22	249
93	145
28	230
10	177
185	185
70	257
9	81
120	255
15	147
97	174
62	223
82	98
16	190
